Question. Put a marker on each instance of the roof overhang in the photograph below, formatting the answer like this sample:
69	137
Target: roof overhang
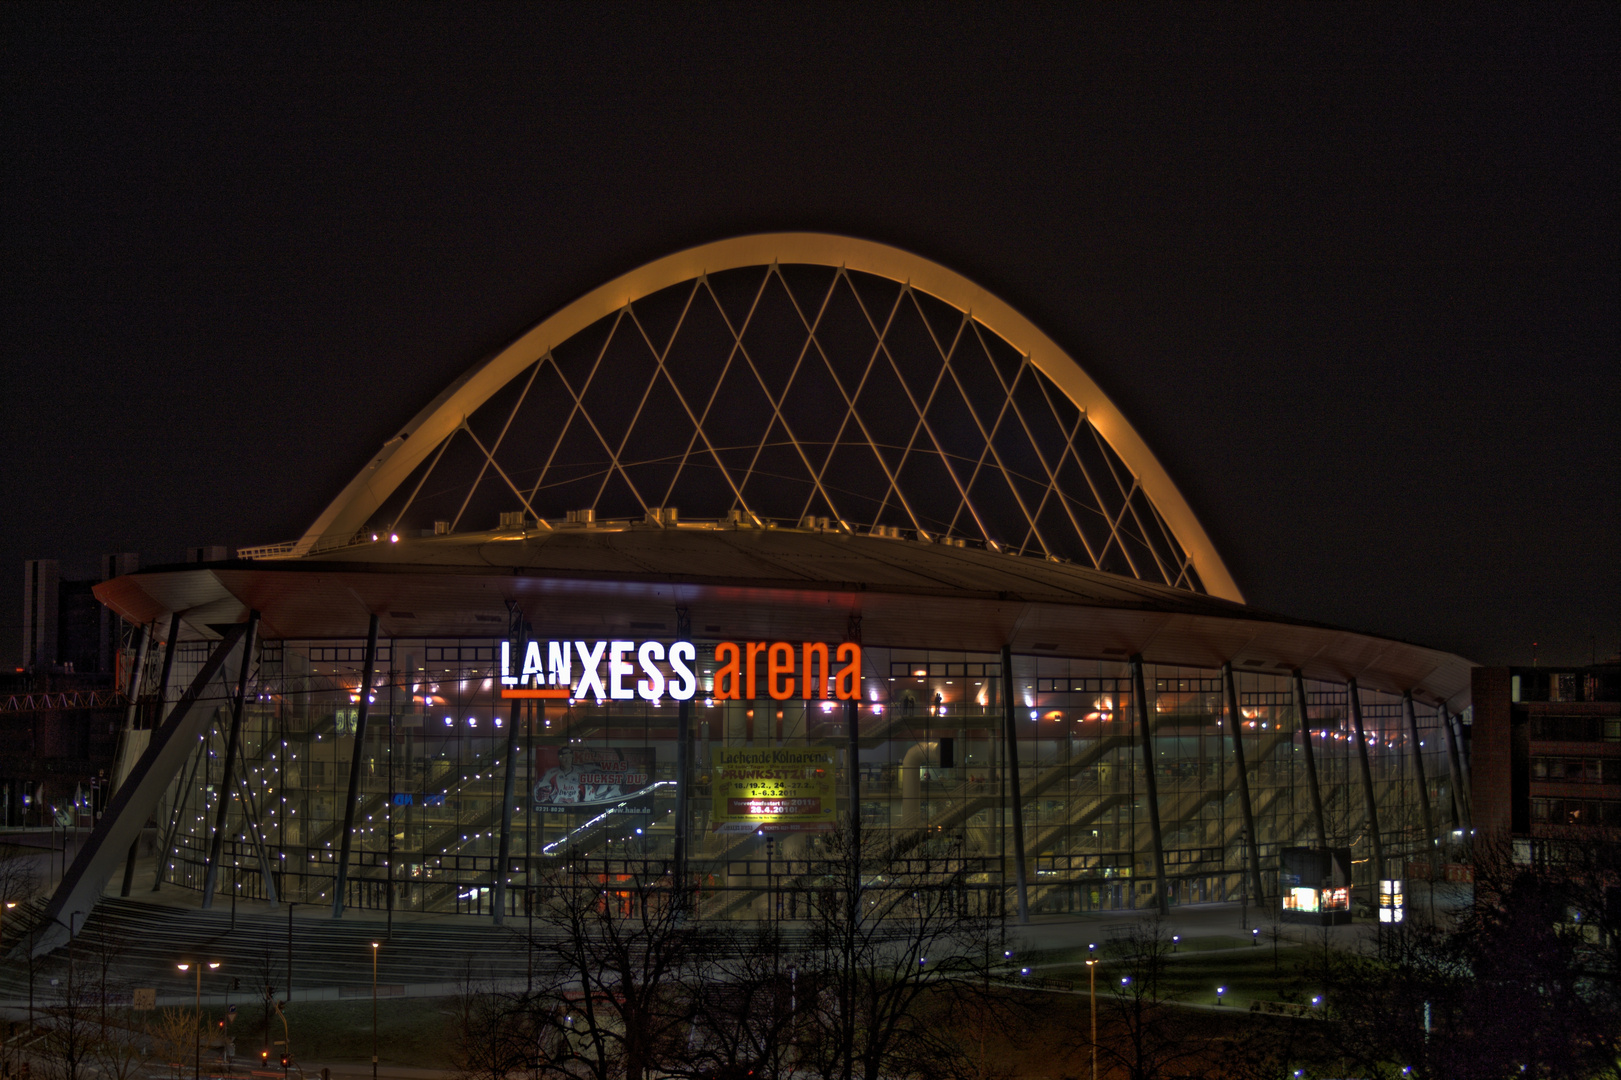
769	587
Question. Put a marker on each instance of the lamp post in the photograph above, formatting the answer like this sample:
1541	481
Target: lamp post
1092	979
197	1061
374	1010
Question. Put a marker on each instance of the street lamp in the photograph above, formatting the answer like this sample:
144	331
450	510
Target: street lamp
1255	936
1092	979
1220	990
8	906
374	1010
197	1062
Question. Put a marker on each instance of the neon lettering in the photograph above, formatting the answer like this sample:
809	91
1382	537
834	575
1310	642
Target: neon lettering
590	677
682	654
652	687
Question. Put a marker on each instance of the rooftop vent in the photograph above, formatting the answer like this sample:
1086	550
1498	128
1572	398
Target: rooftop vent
582	517
665	516
510	519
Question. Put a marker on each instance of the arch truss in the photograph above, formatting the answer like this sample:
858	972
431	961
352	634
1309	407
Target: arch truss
805	379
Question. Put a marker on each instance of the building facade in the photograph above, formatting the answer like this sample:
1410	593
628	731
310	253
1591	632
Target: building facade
924	581
1548	758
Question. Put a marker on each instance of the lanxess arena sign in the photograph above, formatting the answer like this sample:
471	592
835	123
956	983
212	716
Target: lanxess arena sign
742	670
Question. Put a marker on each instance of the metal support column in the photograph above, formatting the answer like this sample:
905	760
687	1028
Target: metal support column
233	740
1301	710
355	758
683	768
1355	698
1468	787
1460	796
158	721
250	814
173	831
1418	763
1235	728
1021	881
133	803
683	793
1139	694
134	695
852	726
852	733
498	887
168	669
143	642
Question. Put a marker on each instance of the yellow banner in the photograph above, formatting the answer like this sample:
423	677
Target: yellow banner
774	789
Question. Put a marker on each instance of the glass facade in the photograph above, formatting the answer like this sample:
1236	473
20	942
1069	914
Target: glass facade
440	749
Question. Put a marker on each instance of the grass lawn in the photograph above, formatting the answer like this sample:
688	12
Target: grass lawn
1248	975
410	1031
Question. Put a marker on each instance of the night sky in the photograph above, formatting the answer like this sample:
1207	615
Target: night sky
1351	271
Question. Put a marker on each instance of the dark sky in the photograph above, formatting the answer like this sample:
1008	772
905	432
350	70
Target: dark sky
1351	271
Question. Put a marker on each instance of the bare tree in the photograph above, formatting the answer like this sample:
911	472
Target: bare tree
895	954
615	961
491	1033
19	877
745	1010
172	1034
118	1051
69	1020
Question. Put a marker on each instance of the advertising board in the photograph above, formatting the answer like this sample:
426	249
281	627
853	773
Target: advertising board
574	777
773	789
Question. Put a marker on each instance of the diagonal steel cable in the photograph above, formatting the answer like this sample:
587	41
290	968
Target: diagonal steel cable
922	411
776	402
489	455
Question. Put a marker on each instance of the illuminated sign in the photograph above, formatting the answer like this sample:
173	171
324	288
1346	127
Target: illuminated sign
742	670
773	789
1391	903
552	676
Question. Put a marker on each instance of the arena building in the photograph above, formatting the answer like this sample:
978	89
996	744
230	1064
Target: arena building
778	533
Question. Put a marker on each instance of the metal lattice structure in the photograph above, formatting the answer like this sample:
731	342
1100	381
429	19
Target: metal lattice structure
809	380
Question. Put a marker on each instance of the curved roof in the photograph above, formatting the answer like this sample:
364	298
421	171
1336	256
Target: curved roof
767	584
921	402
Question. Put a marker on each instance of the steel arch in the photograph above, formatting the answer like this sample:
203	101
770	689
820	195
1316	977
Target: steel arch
443	416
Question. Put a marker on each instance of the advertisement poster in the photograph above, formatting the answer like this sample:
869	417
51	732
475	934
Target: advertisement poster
582	777
774	789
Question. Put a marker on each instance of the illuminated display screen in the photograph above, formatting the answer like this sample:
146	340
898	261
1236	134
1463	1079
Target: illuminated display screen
1298	899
